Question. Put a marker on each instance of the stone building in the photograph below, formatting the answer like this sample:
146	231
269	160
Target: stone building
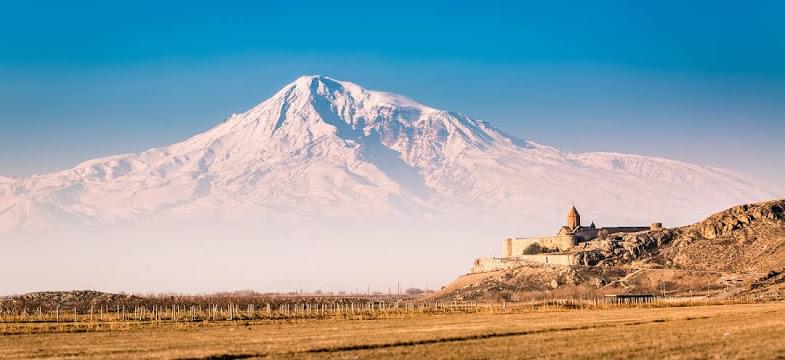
568	236
552	250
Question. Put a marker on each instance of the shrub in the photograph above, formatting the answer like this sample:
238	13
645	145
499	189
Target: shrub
414	291
533	249
504	295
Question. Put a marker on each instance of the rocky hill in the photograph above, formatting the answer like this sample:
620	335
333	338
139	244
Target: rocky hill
737	251
746	238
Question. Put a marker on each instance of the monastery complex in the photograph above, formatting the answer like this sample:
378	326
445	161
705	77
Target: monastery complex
553	250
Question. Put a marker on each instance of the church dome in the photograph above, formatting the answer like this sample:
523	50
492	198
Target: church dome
573	218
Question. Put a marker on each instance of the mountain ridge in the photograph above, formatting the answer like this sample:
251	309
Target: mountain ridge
331	148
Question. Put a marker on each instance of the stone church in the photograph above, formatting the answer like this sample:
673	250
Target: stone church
568	235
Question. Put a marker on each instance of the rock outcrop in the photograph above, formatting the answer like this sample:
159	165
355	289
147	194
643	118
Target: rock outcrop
746	238
740	250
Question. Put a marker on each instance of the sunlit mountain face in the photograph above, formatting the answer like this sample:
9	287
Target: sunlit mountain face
323	148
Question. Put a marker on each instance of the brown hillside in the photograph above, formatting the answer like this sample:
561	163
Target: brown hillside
746	238
738	250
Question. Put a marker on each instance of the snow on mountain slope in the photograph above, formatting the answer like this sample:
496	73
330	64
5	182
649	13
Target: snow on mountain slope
327	148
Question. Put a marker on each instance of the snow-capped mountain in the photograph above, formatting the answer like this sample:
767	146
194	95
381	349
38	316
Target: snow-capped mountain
327	148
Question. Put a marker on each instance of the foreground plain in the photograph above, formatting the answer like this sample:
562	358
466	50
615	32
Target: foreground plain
718	331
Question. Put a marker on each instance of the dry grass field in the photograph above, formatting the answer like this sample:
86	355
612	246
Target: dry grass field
713	331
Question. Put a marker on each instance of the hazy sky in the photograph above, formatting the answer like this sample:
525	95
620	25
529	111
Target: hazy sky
696	81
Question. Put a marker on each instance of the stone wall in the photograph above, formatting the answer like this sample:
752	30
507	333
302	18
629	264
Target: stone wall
495	264
626	229
550	259
515	247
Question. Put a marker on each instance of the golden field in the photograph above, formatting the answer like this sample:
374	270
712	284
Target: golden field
707	331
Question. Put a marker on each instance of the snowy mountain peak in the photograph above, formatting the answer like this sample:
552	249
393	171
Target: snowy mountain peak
321	147
318	85
317	108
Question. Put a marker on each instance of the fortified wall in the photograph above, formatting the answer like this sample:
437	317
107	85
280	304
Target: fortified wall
554	250
495	264
515	247
601	233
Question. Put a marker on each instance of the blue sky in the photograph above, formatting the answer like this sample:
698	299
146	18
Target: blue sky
696	81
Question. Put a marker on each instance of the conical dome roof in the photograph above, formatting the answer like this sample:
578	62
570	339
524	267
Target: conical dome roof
573	212
573	218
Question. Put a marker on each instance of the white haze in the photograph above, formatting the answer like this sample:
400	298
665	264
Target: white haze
199	258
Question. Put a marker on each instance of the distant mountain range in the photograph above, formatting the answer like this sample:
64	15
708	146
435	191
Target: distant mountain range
323	148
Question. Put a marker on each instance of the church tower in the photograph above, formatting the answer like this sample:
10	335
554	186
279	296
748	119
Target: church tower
573	218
